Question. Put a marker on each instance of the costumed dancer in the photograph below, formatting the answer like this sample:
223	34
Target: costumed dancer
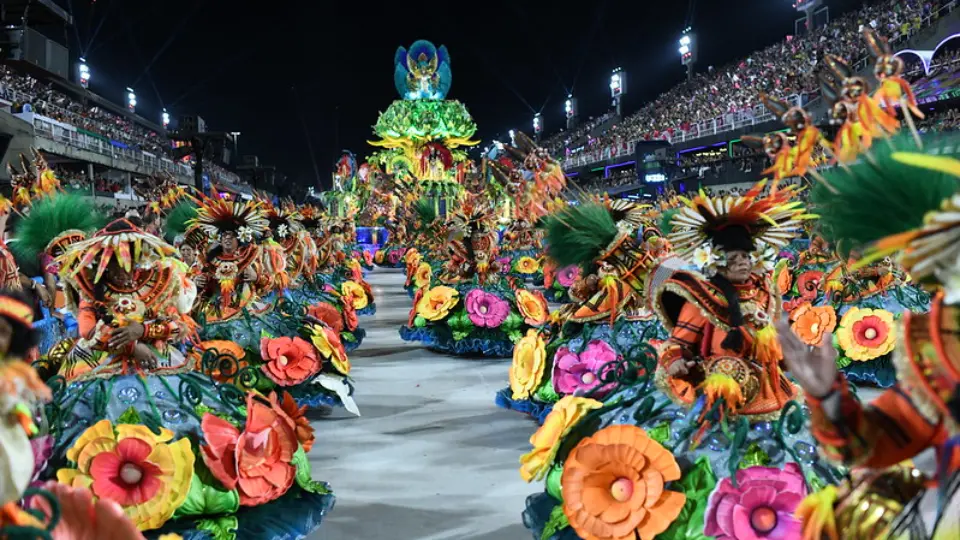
605	331
133	421
902	201
282	342
726	454
473	308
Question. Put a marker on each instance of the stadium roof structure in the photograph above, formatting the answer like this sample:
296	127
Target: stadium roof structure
38	12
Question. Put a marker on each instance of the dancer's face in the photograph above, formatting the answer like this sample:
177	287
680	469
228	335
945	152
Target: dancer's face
229	242
738	266
189	254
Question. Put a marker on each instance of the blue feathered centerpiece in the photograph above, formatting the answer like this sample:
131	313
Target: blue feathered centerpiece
423	72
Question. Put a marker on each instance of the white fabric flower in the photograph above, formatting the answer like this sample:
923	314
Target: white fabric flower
245	234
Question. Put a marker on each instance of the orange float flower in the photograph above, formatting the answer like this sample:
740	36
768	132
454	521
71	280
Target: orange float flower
865	334
289	361
811	323
565	414
302	426
422	276
257	461
613	486
784	279
808	284
533	307
223	347
350	321
328	314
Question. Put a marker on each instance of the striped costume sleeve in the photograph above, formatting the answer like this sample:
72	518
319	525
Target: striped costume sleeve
686	335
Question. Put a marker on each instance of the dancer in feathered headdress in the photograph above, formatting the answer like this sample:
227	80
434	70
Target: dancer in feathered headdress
901	200
234	259
722	340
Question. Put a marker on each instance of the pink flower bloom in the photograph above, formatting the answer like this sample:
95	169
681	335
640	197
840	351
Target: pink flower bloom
394	256
572	372
760	508
486	310
567	275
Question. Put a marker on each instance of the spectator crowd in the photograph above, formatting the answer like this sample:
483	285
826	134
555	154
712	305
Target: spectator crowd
785	69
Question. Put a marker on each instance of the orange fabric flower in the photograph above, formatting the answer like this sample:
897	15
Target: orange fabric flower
328	314
811	323
302	426
223	347
808	284
289	361
784	279
533	307
257	461
613	486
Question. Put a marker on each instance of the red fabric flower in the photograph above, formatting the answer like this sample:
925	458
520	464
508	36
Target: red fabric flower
328	313
125	475
808	284
289	361
302	426
256	462
417	296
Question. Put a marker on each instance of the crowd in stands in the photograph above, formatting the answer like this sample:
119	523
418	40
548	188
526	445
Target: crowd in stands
80	181
785	69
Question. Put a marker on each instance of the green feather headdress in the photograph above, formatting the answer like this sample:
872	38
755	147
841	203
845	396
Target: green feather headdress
50	218
426	212
580	234
178	218
889	191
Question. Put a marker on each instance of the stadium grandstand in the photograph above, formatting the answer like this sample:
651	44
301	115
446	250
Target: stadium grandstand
690	136
95	145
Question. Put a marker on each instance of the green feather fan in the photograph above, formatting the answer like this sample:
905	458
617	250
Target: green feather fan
878	195
177	219
579	234
426	212
50	217
666	220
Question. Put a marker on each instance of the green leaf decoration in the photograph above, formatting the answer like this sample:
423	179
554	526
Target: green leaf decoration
348	337
152	421
545	393
754	456
554	489
304	478
419	322
843	361
514	320
220	528
697	484
556	523
514	336
130	416
207	496
457	336
660	433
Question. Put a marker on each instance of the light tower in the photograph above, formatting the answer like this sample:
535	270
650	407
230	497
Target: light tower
618	87
537	125
570	109
165	118
688	50
809	7
84	73
131	100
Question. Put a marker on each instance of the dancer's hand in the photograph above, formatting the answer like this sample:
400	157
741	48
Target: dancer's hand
680	366
125	335
815	368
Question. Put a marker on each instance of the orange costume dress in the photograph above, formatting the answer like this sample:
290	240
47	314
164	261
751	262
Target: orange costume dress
695	312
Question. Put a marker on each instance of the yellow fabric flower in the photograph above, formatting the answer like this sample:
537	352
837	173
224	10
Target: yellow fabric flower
423	275
565	415
328	344
529	362
355	292
527	265
533	307
437	303
146	474
865	334
412	256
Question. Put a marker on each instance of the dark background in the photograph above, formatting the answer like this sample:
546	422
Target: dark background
236	63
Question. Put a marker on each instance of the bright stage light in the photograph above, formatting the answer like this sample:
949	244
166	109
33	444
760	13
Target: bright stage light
131	100
685	40
684	49
84	70
537	124
166	118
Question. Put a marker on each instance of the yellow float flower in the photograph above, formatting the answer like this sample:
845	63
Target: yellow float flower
412	256
865	334
356	293
529	362
146	474
533	307
328	344
527	265
437	303
423	275
566	413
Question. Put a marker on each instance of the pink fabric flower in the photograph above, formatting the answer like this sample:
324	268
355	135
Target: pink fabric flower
572	372
567	275
760	508
486	310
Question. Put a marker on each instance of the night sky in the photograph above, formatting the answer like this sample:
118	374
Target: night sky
237	62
